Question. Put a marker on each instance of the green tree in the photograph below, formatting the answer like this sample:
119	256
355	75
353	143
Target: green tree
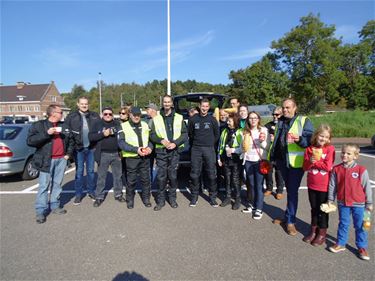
260	83
309	55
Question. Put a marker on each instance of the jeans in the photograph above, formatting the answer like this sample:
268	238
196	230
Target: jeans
292	178
52	181
344	223
255	179
83	156
106	160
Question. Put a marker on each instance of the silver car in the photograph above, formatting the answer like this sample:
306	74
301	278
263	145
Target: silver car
15	154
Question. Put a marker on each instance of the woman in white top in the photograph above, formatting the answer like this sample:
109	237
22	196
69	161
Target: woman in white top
255	147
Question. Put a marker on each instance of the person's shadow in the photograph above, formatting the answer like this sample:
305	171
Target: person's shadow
129	276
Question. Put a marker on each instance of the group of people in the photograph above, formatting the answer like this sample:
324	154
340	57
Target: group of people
231	150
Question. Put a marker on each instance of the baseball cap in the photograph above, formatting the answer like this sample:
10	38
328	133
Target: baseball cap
135	111
153	106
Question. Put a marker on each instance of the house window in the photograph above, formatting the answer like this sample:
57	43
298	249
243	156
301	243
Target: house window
53	98
37	108
11	108
28	108
20	108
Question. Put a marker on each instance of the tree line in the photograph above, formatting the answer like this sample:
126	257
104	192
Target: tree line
308	63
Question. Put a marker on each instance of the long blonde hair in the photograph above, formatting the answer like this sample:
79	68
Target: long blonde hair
321	128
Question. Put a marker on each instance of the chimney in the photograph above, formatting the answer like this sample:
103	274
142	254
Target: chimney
20	85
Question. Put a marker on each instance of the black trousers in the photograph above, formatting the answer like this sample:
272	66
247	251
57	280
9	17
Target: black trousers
278	178
167	163
135	167
203	157
123	176
232	180
318	217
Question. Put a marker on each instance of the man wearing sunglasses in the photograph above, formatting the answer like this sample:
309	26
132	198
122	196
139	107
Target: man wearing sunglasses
104	135
277	113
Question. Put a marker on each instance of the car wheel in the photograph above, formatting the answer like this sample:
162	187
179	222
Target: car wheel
29	171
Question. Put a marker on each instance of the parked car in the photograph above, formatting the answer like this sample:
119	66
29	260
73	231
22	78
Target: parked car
15	154
183	103
373	141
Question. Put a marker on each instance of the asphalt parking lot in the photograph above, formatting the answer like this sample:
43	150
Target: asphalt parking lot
202	243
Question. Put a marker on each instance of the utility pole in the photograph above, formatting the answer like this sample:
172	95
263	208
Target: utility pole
100	92
169	49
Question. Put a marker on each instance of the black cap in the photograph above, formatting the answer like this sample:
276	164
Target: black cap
107	108
135	111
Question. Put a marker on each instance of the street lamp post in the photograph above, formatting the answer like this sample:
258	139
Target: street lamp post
169	49
100	92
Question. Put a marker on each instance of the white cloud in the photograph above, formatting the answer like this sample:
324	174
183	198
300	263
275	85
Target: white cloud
248	54
347	32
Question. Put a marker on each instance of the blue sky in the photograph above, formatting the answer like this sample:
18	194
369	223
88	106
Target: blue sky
69	42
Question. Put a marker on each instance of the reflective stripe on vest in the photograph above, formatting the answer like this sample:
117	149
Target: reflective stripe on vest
132	139
295	152
236	143
161	131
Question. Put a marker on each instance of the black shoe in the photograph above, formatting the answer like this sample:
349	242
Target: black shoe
147	203
174	204
98	202
130	204
158	207
91	196
120	199
77	201
226	202
40	219
59	211
236	205
213	203
193	202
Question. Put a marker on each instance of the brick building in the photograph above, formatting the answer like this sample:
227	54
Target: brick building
30	100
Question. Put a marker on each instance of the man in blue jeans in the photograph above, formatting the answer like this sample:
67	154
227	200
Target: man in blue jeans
54	148
292	135
80	122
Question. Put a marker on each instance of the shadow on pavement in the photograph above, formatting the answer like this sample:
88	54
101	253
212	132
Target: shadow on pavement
127	276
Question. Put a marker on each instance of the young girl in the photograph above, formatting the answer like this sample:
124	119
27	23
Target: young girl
255	146
318	162
229	158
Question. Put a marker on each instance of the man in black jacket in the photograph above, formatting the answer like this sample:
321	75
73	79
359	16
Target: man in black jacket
104	134
54	148
168	133
203	136
80	122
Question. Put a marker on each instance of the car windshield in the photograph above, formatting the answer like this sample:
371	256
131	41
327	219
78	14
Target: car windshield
8	132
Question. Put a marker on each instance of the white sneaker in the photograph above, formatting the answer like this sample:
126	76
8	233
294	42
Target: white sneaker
249	209
257	215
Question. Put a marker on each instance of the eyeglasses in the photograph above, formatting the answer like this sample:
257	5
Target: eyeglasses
107	114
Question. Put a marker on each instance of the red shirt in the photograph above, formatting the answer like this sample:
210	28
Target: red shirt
318	173
57	146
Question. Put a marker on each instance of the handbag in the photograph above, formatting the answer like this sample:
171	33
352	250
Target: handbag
264	165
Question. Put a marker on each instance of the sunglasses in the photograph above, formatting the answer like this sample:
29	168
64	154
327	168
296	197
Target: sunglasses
123	113
107	114
276	114
59	112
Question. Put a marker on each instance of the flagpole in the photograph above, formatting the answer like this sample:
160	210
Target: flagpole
169	50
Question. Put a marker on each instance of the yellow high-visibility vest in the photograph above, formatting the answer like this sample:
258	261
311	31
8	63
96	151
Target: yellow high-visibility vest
161	131
132	139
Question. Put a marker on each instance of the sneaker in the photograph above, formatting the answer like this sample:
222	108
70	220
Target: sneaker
91	196
158	207
130	204
40	219
267	193
147	203
193	202
249	209
174	204
77	201
98	202
213	203
336	248
363	255
279	196
120	199
257	214
236	205
291	229
59	211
